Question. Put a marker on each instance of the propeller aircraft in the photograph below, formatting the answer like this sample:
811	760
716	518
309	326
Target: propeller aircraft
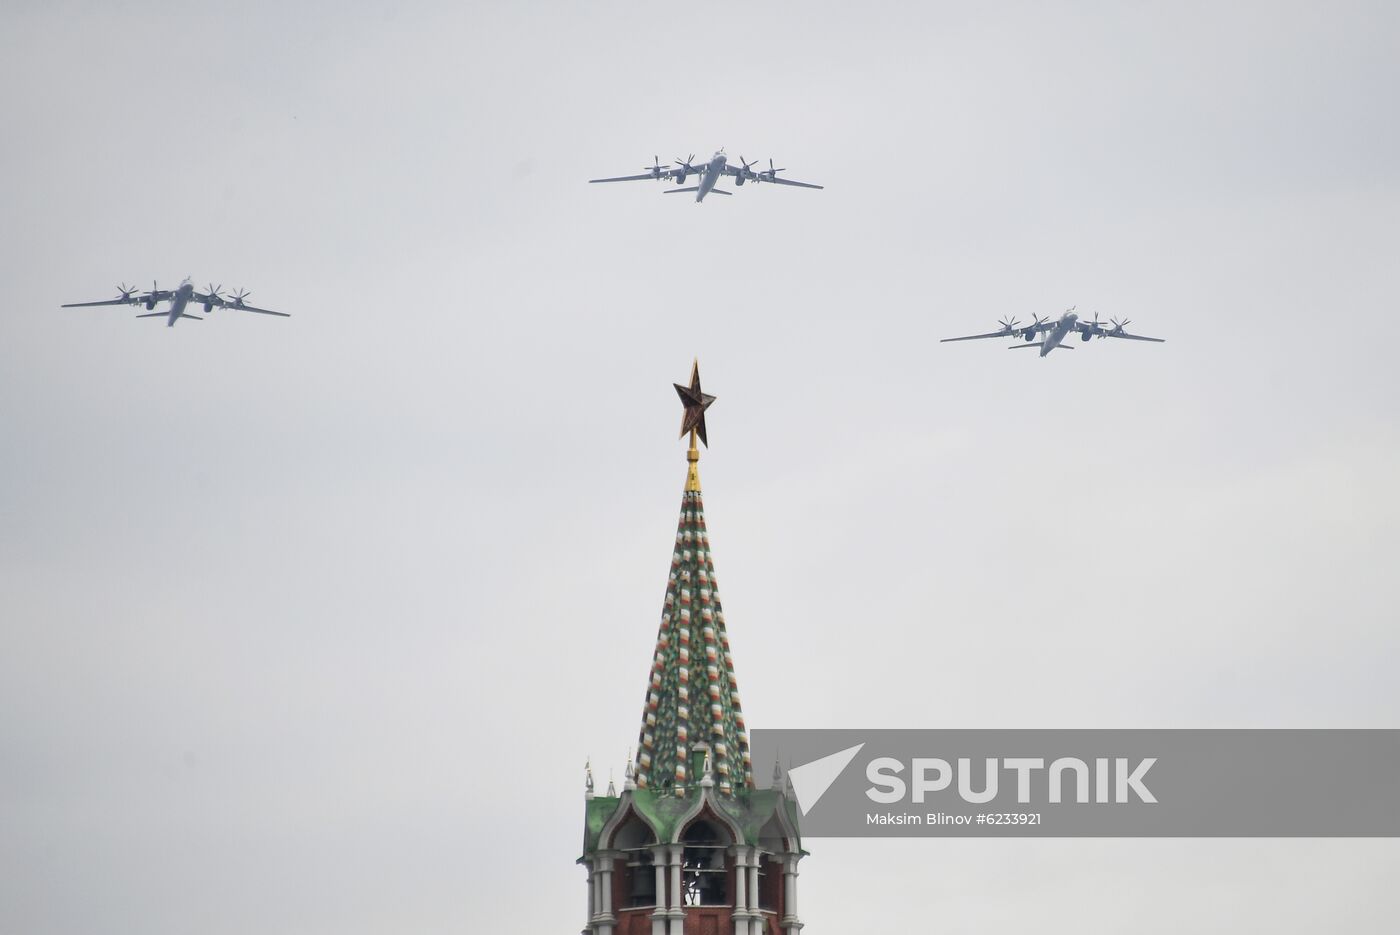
1056	331
179	298
707	174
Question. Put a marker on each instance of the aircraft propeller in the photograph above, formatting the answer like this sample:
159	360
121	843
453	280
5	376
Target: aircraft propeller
213	292
686	168
151	298
126	291
1118	326
772	173
1009	324
239	295
655	167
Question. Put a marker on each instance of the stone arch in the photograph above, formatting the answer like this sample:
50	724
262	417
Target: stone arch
626	814
706	807
634	842
778	836
706	860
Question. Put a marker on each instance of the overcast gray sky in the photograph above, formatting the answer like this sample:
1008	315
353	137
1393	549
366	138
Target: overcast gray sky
309	624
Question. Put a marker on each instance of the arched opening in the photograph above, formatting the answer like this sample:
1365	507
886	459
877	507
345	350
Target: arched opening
770	881
773	840
636	842
704	874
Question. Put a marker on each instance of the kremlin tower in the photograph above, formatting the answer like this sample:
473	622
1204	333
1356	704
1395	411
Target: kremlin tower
691	847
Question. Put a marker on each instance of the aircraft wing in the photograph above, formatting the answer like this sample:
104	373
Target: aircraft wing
238	306
129	301
975	337
777	181
1133	337
665	174
260	311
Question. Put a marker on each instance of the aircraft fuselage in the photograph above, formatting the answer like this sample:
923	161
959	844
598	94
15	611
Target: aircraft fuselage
178	300
1056	336
710	175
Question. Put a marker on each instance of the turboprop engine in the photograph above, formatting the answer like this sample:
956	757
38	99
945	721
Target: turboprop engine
685	169
214	296
746	172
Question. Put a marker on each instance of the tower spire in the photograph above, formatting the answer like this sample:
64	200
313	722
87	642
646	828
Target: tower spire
693	696
691	782
692	475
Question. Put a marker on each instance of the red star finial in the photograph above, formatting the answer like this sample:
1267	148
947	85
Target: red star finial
695	402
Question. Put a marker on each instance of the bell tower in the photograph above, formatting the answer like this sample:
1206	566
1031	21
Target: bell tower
691	846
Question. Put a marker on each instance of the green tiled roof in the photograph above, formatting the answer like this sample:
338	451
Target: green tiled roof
691	709
750	810
692	694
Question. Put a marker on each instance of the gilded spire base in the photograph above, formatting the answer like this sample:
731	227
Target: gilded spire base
692	476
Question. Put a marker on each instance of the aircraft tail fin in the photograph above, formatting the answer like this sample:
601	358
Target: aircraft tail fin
191	317
153	315
719	191
677	191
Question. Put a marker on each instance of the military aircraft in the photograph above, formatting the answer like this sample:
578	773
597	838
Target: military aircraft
179	299
1055	332
707	174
